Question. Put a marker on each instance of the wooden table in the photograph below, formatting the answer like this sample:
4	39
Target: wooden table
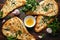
47	36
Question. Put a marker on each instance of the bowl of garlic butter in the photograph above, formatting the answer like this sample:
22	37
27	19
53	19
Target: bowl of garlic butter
29	21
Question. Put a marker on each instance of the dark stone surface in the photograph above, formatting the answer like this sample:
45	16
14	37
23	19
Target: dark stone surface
31	30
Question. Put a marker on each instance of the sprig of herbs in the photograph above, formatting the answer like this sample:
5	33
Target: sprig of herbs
30	5
55	25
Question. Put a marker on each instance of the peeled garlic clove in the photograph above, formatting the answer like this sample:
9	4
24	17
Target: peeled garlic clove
40	36
16	12
49	30
3	20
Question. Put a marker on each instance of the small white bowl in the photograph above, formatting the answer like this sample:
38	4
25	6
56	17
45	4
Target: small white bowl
34	21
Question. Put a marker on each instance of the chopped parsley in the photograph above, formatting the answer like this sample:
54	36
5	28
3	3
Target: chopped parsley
30	5
11	38
46	8
55	25
14	38
43	35
46	18
9	17
19	32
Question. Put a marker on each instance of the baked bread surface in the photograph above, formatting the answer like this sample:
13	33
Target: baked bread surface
10	5
15	27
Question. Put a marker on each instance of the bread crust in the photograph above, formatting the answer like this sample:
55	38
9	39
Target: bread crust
12	26
42	23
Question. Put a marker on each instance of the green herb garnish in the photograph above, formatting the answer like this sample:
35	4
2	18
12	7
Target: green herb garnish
46	18
19	32
14	38
9	17
55	25
1	14
11	38
43	35
46	8
30	5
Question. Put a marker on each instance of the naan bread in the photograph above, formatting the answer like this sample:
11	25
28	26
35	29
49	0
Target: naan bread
46	8
42	23
15	27
10	5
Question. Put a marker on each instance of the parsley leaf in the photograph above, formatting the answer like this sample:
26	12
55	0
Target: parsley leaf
11	38
8	17
55	25
30	5
46	8
19	32
46	18
43	35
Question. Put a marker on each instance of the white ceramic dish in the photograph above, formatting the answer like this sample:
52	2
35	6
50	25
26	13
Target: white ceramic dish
29	20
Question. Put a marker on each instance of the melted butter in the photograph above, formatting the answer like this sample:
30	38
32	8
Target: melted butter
29	21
